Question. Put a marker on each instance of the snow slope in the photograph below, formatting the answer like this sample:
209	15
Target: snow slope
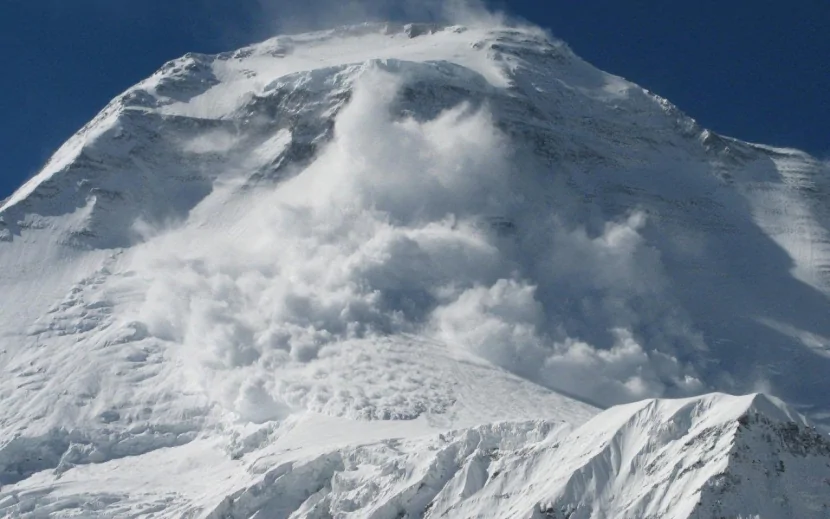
396	271
704	457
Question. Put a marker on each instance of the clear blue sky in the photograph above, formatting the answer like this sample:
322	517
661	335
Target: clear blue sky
754	69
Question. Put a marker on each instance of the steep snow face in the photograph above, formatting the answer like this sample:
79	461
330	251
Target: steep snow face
384	232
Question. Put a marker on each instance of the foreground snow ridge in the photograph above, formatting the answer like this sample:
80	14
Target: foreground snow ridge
700	457
399	271
707	457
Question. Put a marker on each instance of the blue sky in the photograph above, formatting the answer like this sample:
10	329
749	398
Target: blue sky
754	69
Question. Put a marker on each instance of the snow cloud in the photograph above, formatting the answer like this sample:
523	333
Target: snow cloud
281	16
432	228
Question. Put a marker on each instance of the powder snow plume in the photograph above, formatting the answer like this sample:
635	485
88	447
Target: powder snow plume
417	227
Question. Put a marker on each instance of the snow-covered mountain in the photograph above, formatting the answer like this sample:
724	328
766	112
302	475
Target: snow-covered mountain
398	271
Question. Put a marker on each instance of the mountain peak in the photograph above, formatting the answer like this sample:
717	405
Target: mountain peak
305	79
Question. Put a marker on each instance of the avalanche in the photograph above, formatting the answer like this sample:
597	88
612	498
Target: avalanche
412	271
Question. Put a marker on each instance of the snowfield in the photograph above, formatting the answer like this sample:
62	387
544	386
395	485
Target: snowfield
412	271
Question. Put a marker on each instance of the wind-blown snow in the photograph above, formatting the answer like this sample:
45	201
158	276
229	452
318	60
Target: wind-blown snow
387	232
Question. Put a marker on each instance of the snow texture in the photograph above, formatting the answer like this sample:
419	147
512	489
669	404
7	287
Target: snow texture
397	271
